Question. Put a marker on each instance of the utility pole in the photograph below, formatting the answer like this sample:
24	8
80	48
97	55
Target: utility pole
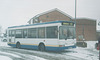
75	14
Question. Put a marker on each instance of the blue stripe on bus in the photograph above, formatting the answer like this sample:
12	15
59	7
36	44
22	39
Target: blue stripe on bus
59	48
41	24
46	47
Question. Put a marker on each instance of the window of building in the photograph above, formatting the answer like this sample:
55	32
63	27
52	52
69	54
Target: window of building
51	32
47	16
41	32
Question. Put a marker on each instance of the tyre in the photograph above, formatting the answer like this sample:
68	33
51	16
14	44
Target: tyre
96	45
18	45
42	47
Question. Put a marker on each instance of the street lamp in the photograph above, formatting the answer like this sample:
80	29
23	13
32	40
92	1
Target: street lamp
75	14
75	9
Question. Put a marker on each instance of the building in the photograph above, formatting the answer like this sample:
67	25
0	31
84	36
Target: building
85	28
52	15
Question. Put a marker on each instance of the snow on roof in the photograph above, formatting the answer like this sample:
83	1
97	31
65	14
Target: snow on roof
51	11
83	18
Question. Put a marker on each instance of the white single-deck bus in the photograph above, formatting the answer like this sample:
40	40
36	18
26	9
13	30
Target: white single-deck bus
52	36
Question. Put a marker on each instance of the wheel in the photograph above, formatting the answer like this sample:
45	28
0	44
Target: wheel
96	45
18	45
42	47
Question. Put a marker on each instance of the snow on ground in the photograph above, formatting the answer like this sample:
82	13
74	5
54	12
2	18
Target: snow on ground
14	55
85	53
91	44
88	53
6	53
4	58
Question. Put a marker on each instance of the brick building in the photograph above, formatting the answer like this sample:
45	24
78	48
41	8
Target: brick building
85	28
52	15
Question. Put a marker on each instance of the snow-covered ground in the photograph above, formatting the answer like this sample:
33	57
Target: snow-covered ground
4	44
89	53
91	44
4	58
85	53
1	56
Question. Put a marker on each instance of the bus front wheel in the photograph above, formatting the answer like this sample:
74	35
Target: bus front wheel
42	47
18	45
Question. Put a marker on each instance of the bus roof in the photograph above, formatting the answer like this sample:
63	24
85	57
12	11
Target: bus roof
41	23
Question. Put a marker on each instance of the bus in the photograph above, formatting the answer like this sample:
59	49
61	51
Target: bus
48	36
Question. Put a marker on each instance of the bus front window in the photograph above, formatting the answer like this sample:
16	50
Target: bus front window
66	32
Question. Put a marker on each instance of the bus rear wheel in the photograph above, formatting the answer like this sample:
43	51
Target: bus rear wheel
18	45
42	47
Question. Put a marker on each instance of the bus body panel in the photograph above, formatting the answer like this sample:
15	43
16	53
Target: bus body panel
67	42
52	44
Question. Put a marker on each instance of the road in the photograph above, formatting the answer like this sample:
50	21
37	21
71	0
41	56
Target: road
25	54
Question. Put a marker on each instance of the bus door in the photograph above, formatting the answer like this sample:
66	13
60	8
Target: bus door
12	39
12	36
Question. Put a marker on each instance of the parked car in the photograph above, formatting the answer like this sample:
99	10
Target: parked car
4	38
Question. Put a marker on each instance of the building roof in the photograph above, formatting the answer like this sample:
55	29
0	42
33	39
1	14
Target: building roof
85	19
49	12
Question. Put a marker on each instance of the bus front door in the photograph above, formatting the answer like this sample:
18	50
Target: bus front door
13	39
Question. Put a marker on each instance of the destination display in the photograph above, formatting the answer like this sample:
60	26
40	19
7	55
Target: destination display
67	24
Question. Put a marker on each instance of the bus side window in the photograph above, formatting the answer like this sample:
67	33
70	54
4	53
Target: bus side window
9	33
18	34
13	33
41	32
51	32
32	33
24	33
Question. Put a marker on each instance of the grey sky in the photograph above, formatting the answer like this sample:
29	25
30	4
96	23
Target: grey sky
18	12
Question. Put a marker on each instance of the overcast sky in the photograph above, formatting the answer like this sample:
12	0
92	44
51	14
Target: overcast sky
18	12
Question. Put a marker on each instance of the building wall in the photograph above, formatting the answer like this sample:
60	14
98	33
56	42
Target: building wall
53	16
86	28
